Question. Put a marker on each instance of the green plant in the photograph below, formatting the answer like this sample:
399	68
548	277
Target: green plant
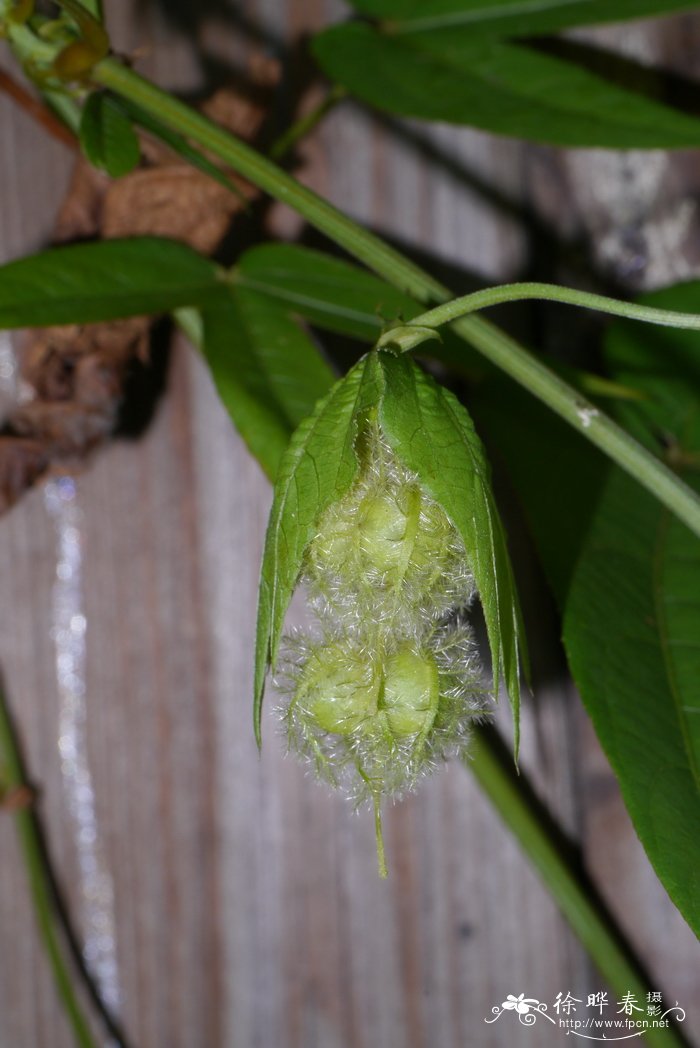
383	502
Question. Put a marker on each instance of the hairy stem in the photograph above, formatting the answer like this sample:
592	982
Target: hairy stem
503	351
39	879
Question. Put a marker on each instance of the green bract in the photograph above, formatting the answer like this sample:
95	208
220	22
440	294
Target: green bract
383	508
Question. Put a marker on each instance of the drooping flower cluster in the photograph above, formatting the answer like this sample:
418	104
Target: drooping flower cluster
389	681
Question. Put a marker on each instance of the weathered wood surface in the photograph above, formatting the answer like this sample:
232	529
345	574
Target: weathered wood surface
248	910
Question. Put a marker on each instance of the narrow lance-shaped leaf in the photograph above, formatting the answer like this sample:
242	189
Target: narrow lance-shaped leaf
432	434
633	663
87	283
267	371
512	17
665	366
501	87
317	469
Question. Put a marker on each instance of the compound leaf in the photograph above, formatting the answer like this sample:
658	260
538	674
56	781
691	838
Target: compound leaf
107	137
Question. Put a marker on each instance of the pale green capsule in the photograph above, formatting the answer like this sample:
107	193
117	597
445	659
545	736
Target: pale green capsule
411	692
338	688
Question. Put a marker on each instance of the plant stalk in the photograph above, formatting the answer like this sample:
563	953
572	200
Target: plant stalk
40	886
503	351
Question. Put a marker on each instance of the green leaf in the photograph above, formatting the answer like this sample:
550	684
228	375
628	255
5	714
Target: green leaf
513	17
433	435
107	137
627	579
498	86
268	372
334	295
631	628
317	468
105	280
666	367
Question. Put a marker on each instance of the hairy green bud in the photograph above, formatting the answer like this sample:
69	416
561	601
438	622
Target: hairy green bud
387	549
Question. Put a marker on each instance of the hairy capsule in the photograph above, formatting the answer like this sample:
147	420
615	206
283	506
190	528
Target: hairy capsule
388	682
374	713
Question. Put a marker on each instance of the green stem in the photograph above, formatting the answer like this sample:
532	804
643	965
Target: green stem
503	351
379	837
40	882
589	420
598	935
492	296
306	123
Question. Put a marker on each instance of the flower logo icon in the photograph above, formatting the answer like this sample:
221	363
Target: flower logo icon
520	1004
526	1008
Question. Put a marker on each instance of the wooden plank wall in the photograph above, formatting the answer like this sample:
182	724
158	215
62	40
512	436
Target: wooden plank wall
247	907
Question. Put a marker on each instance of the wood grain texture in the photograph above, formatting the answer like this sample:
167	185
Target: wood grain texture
248	909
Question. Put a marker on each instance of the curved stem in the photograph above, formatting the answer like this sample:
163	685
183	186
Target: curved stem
561	877
39	112
492	296
503	351
40	884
